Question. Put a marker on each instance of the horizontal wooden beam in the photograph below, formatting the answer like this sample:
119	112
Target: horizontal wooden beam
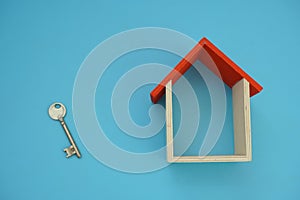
214	158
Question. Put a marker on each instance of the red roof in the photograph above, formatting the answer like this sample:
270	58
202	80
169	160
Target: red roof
215	60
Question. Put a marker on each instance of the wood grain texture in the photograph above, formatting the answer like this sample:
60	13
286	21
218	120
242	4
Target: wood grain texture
241	119
169	122
242	128
214	158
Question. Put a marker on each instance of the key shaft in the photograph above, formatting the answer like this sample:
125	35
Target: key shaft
70	138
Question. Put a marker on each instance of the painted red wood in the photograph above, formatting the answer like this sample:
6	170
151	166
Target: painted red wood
215	60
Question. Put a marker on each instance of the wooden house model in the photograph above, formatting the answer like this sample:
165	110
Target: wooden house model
243	87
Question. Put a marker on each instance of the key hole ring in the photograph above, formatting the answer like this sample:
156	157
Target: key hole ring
57	106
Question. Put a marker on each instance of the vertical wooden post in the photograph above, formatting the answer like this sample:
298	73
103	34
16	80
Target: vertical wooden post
241	119
169	122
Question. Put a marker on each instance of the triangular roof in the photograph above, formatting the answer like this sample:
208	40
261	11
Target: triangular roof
227	70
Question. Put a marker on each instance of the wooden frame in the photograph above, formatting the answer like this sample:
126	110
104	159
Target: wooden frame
242	127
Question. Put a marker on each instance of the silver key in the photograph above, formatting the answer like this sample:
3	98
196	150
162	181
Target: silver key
57	111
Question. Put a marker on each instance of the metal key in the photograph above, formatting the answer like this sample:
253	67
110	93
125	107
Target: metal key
57	111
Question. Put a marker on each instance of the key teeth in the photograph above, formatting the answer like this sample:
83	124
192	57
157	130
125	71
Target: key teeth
70	151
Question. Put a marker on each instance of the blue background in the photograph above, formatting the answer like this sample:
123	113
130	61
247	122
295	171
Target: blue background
42	45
